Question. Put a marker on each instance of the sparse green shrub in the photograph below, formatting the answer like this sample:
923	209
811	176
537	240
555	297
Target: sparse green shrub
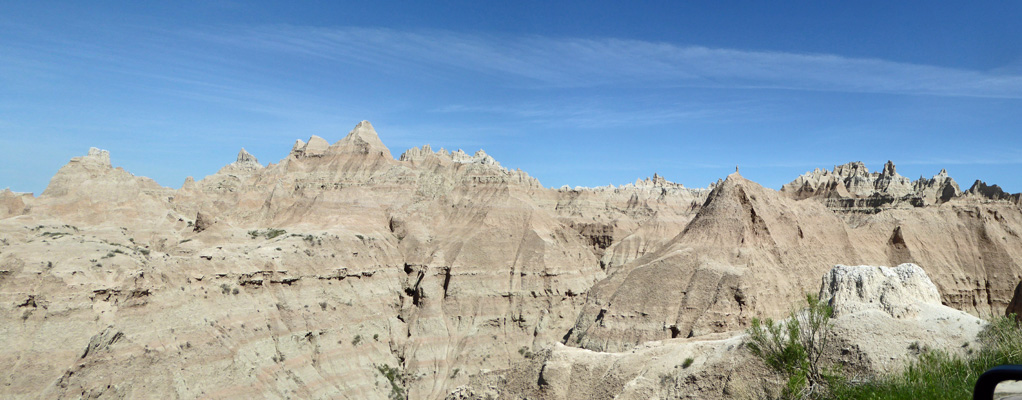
396	379
794	348
356	340
268	233
688	363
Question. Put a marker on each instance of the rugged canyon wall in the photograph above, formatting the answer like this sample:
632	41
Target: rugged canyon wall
341	271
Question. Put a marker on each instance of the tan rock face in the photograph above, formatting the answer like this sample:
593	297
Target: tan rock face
883	316
340	271
852	188
13	204
748	244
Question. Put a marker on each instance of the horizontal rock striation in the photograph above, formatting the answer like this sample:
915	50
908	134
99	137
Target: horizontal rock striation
852	188
340	271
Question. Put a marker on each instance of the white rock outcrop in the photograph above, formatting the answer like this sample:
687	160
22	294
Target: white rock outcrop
896	291
884	316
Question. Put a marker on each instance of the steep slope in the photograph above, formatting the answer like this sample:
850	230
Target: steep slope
748	244
745	245
300	278
340	271
880	313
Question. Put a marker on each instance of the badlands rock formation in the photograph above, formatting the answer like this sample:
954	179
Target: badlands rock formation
882	317
340	271
851	187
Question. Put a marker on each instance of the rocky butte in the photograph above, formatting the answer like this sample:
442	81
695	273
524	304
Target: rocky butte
342	272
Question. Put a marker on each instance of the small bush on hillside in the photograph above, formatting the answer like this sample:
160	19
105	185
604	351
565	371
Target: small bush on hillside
795	347
269	233
396	379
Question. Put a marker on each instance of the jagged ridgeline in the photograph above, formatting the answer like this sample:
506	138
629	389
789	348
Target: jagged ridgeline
341	271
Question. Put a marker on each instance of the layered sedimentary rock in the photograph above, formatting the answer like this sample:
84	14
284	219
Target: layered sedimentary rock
883	317
340	271
307	277
748	244
852	188
981	190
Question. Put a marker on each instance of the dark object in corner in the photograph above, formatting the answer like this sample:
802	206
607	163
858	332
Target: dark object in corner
988	381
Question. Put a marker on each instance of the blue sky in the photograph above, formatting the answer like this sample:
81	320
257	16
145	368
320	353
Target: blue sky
579	93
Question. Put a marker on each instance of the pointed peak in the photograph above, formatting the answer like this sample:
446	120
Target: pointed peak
365	125
316	147
889	169
188	184
316	139
365	131
734	179
244	157
363	139
299	145
659	180
245	161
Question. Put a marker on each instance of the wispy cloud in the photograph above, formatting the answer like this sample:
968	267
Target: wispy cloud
601	113
584	62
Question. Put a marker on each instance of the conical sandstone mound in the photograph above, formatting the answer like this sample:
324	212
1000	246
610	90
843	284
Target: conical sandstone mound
746	244
319	269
